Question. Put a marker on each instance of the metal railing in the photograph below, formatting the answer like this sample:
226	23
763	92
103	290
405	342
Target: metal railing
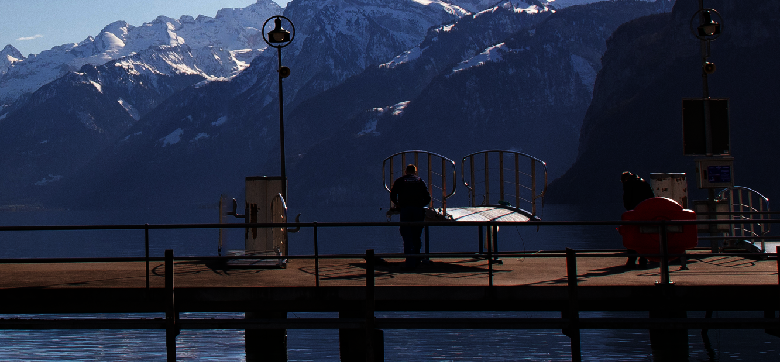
517	178
279	234
745	203
570	322
435	169
490	254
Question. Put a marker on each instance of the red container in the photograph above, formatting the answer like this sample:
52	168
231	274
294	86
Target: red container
646	239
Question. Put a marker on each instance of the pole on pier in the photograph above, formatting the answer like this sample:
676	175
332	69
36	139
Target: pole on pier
664	245
573	313
370	305
481	240
146	238
362	344
667	343
771	313
267	345
171	316
316	258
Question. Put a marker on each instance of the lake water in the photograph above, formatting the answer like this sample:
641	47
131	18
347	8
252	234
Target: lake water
322	345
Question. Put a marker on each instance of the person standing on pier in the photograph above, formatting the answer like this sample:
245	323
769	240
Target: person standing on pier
410	195
635	190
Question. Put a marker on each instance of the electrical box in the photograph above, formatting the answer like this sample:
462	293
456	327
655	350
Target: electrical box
671	185
260	193
715	172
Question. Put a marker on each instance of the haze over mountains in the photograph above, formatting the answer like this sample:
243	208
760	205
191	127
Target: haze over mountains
180	123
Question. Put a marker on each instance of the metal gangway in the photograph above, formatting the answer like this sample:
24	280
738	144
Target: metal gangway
507	179
502	185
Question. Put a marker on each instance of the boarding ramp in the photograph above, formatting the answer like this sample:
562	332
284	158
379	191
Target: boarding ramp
502	185
505	180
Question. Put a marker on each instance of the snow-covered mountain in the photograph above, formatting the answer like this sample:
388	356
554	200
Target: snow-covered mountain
530	99
527	91
182	122
135	85
234	31
8	57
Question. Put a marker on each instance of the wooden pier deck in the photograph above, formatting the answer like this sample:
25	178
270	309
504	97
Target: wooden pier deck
513	271
719	282
519	283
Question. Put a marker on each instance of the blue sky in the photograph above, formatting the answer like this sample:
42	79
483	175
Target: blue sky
36	25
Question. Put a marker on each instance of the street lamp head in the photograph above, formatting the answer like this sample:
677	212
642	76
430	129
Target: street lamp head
708	27
278	35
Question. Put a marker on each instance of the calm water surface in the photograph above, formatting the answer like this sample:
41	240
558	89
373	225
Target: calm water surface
322	345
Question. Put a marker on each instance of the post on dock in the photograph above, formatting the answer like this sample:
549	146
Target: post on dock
363	344
770	314
667	343
267	345
146	245
481	240
171	316
573	314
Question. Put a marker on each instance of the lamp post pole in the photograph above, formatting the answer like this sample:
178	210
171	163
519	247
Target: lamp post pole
707	31
280	38
281	130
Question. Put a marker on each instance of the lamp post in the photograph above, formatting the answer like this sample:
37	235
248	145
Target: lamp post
707	30
279	38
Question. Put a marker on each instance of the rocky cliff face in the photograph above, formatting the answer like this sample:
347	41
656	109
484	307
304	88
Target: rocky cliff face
651	64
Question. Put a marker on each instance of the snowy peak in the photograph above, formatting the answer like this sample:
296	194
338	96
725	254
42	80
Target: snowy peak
11	52
8	56
234	31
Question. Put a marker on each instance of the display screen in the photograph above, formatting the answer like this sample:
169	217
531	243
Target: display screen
719	174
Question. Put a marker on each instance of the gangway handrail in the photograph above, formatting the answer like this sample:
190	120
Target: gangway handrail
486	201
741	200
279	234
430	172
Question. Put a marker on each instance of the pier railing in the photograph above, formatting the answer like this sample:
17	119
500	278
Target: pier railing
570	322
489	252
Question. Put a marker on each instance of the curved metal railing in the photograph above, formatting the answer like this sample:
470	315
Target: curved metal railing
746	203
523	181
432	167
279	234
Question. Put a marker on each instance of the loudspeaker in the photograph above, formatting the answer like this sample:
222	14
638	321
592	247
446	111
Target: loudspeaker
709	68
284	72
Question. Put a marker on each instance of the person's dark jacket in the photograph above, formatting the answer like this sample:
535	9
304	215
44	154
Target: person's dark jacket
410	191
636	190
